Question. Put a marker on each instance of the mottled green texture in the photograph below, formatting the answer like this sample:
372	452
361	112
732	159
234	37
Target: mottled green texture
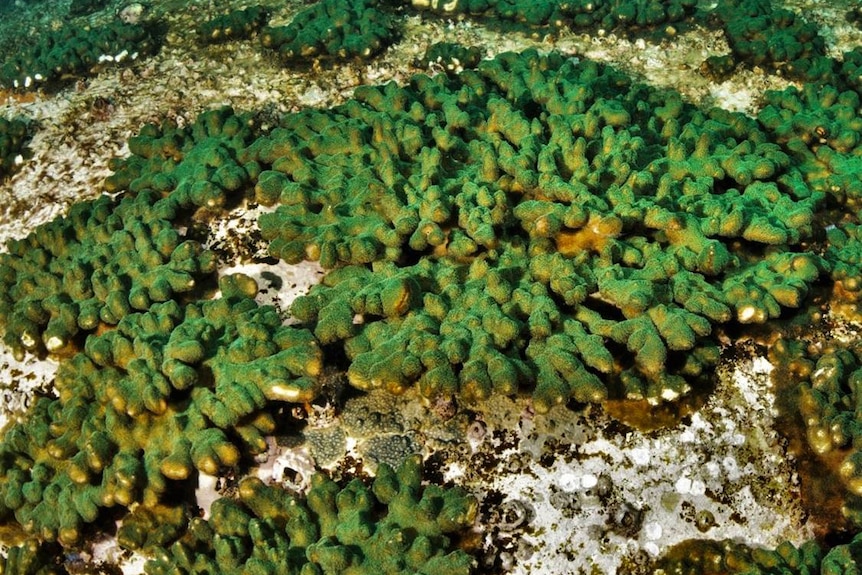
397	525
156	525
236	25
705	557
14	135
820	127
851	68
718	68
844	253
93	266
536	222
844	559
451	58
727	557
196	166
168	392
32	558
108	257
826	380
339	29
773	38
627	14
75	51
580	14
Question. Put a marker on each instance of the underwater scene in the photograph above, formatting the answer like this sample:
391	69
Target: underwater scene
436	287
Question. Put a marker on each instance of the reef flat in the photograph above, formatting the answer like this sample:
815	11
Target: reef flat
588	276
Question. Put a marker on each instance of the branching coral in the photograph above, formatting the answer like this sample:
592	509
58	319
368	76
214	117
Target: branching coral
824	379
702	557
95	265
538	224
395	526
236	25
775	38
595	14
451	58
170	391
195	166
819	127
74	51
31	558
107	257
333	28
588	215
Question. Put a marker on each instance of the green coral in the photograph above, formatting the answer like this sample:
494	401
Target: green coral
533	210
844	252
195	166
236	25
75	51
773	38
14	135
169	392
825	382
819	127
451	58
94	266
851	68
704	557
580	14
108	257
32	558
395	526
333	28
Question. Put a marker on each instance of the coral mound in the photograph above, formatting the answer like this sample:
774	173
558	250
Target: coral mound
539	221
74	52
339	29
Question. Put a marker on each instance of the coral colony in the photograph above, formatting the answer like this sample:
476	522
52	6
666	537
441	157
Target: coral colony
530	225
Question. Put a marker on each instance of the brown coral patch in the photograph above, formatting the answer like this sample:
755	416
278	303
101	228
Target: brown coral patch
594	236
